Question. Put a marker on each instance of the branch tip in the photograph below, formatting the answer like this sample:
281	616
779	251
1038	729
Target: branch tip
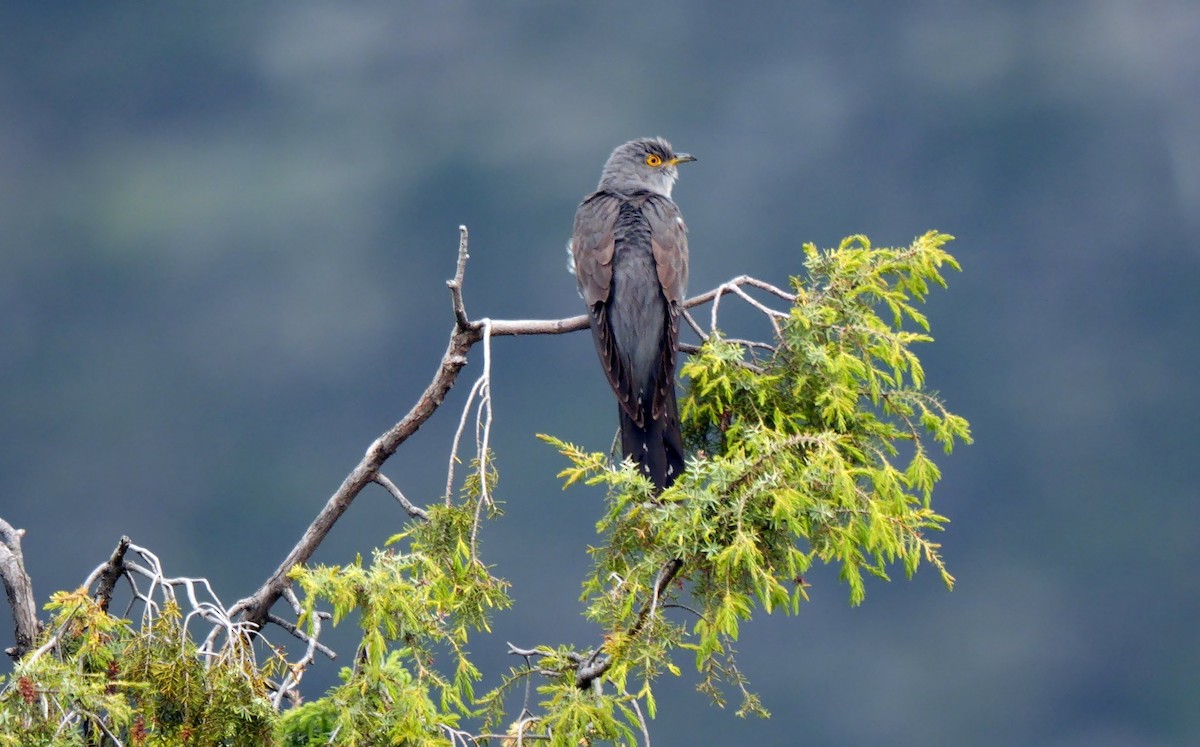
110	573
455	285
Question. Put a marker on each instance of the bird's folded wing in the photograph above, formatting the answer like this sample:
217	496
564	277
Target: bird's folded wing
592	246
668	239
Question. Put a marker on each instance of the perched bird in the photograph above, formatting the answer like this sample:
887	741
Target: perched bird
629	251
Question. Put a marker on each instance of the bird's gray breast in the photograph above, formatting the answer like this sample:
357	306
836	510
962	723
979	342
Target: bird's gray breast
637	309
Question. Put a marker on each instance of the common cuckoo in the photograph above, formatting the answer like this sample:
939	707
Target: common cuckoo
629	250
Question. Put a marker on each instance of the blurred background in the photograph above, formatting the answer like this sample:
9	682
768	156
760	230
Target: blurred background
225	230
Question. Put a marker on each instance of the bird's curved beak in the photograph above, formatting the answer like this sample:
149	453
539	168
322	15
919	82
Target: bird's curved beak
682	158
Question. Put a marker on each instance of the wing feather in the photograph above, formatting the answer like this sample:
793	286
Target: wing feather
593	242
668	239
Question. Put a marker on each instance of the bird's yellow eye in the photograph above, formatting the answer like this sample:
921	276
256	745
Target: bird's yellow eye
653	160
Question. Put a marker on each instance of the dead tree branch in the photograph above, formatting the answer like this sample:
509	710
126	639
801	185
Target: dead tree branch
110	573
465	334
19	590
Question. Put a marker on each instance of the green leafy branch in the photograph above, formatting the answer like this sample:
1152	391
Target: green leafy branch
814	454
142	685
417	600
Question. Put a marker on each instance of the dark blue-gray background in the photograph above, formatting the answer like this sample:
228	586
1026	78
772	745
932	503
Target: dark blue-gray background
224	231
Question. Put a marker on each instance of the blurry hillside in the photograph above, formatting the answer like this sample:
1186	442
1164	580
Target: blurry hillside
224	232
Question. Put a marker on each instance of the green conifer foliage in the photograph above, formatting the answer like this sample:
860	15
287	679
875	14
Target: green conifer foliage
813	448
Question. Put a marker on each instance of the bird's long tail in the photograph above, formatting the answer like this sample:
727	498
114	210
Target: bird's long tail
658	447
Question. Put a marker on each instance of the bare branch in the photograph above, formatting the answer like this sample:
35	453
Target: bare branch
641	720
311	641
727	287
694	325
751	344
512	327
19	590
455	285
483	417
736	288
414	511
290	595
256	608
528	652
483	432
108	574
678	606
465	335
52	642
98	721
462	425
295	672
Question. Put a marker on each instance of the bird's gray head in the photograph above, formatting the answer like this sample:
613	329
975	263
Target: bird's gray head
647	163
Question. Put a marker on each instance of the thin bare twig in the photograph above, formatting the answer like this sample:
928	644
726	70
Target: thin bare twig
483	417
751	344
295	672
52	642
413	510
98	721
735	288
678	606
483	432
728	287
462	426
687	317
528	652
641	720
310	640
